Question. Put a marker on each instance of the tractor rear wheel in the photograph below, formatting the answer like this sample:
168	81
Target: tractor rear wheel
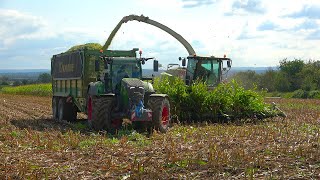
99	113
160	107
66	111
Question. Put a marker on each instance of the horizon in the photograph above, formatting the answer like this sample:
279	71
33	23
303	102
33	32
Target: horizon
143	68
23	71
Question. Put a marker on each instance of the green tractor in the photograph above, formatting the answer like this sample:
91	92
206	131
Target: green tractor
108	86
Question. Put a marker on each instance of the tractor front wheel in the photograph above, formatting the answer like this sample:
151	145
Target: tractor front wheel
160	107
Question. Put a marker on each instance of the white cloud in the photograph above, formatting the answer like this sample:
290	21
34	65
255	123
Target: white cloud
26	39
15	25
243	7
307	24
307	11
315	35
197	3
267	25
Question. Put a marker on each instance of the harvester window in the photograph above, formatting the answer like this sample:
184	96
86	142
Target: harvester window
208	71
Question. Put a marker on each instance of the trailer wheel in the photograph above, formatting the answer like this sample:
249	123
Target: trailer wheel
99	113
70	112
66	111
61	109
55	101
160	113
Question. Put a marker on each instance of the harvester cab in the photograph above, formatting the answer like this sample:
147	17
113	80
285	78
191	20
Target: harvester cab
209	69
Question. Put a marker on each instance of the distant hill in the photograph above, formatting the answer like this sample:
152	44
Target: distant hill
258	70
149	72
13	71
19	74
34	73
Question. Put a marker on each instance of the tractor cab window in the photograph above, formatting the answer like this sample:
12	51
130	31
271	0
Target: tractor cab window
207	70
124	69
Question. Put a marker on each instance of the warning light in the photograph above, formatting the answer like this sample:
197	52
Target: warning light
140	52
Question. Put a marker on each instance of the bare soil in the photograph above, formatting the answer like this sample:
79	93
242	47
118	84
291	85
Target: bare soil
34	146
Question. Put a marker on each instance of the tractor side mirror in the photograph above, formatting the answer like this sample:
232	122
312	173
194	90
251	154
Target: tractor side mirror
155	66
97	65
229	64
184	62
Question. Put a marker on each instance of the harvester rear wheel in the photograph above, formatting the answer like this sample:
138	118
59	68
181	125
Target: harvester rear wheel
99	113
160	107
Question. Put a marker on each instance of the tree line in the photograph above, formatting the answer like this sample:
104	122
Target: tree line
291	75
42	78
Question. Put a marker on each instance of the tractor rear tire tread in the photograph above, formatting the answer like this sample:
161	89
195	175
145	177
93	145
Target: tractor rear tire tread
101	109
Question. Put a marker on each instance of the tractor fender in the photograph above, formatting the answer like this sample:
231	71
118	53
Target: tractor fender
95	88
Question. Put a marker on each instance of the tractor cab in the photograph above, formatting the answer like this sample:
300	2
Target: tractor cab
124	68
121	64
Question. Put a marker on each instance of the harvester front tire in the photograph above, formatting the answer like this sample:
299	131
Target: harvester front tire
160	107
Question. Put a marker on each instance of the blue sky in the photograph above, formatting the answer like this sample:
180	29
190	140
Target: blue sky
251	32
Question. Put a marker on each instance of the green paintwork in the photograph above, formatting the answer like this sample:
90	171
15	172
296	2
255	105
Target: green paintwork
124	97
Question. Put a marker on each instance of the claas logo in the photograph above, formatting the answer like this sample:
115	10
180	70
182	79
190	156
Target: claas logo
64	68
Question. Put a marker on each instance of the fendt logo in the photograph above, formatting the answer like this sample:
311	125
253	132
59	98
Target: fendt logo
64	68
